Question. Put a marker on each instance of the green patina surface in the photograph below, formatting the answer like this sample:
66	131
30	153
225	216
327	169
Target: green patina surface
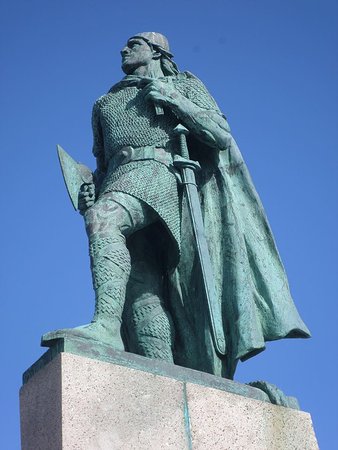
151	296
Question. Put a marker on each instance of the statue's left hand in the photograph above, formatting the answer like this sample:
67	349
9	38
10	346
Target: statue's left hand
86	197
161	92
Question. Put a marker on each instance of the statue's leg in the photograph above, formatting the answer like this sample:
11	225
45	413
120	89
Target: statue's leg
150	330
108	222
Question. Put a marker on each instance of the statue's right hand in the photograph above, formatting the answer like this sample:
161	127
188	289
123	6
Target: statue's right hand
86	197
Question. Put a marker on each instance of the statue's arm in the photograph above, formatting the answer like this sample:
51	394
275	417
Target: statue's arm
195	108
208	126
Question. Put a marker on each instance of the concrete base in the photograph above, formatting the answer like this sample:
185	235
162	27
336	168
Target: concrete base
75	402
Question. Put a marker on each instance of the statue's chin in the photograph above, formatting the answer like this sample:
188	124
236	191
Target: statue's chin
127	68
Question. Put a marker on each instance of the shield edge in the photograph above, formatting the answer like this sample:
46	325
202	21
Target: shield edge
72	173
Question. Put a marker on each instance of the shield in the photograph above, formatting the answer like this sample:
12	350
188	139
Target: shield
74	174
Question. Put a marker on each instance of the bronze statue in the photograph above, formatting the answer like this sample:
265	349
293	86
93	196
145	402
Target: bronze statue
204	303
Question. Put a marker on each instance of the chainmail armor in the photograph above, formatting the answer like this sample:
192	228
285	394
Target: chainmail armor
123	118
193	89
127	119
153	183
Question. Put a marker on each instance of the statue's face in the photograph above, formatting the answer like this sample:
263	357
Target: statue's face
135	54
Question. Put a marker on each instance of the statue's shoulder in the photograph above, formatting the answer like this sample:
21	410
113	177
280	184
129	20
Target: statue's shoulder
107	97
194	89
186	77
101	101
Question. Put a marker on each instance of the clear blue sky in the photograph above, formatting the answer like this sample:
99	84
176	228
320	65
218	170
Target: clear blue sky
272	67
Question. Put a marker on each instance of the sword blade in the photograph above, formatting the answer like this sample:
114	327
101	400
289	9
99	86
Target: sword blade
204	259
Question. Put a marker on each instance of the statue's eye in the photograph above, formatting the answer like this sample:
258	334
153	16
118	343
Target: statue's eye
133	44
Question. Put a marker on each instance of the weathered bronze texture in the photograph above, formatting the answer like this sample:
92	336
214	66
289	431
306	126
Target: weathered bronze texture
152	298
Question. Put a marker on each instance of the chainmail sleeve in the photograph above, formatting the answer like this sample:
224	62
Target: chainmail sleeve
208	124
194	90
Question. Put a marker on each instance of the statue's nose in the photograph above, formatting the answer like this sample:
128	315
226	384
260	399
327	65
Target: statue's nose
124	51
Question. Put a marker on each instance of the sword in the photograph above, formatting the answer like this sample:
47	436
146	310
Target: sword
187	168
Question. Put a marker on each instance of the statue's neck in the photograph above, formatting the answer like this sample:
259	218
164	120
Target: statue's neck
152	70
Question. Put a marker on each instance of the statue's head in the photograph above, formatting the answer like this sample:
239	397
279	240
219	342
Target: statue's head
156	40
145	47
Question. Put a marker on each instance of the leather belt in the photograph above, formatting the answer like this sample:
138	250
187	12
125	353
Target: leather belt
129	153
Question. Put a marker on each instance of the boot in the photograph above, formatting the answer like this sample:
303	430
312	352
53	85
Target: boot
110	264
151	330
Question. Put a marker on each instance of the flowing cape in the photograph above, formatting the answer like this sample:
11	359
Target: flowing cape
250	279
251	283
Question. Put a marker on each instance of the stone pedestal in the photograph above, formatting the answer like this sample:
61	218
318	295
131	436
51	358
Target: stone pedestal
130	402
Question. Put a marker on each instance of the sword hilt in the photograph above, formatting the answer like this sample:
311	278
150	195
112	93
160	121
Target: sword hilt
182	132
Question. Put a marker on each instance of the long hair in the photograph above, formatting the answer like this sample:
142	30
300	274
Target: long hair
169	68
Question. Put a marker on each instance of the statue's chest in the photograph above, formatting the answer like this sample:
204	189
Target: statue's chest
128	119
127	109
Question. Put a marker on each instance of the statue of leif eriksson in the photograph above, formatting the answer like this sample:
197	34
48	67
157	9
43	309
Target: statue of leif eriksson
185	268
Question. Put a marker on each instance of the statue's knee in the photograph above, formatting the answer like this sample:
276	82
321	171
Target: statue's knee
90	214
106	220
91	218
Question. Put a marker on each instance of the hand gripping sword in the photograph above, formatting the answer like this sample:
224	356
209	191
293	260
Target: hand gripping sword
187	168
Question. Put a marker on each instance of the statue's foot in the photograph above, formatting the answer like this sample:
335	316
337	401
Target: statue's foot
276	395
103	332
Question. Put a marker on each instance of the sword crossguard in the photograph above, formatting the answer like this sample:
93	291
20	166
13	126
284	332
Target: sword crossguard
182	163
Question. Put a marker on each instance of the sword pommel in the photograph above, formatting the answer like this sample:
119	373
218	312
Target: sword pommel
180	129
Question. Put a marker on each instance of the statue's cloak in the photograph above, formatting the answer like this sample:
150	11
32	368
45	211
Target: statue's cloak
251	283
